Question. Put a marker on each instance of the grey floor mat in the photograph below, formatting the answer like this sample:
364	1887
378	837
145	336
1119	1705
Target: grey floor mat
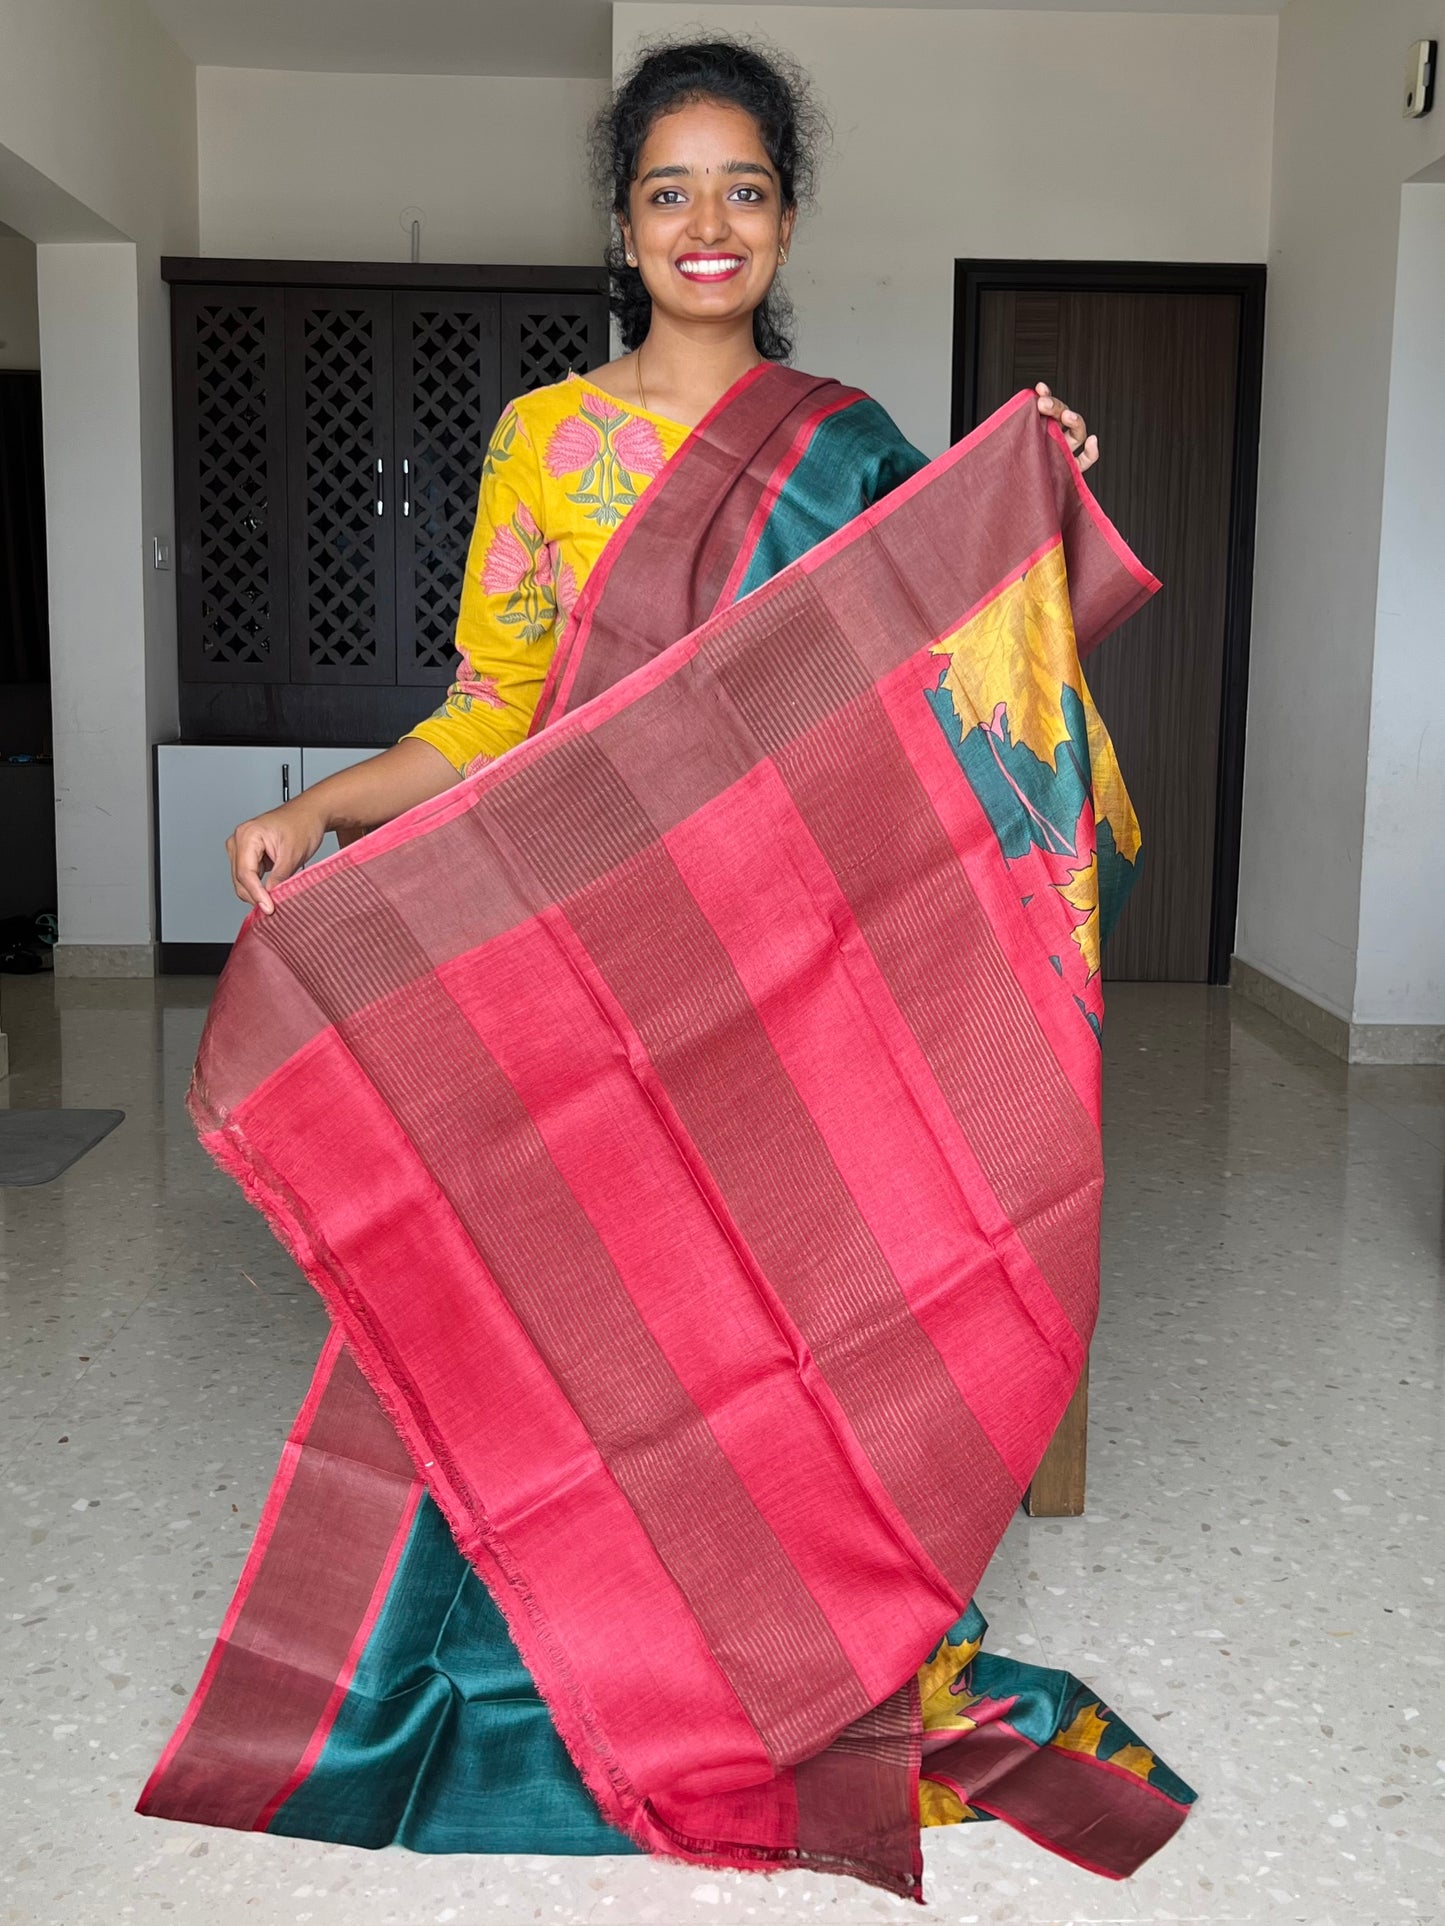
36	1145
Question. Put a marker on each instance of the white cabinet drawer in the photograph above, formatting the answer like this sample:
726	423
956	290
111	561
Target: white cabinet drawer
202	792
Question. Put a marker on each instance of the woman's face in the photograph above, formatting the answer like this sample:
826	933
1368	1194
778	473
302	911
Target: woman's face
707	219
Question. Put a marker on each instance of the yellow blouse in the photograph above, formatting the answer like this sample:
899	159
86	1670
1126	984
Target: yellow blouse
565	466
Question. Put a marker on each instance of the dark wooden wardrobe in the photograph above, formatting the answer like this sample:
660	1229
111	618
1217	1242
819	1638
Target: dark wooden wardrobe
330	424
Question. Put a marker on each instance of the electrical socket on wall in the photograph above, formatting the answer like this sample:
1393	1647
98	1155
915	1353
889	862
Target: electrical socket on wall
1420	79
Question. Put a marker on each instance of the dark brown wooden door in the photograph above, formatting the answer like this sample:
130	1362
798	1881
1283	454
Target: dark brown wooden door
1157	372
448	397
342	478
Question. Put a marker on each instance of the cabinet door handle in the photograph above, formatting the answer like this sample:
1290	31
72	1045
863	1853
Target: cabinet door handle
380	498
405	485
285	782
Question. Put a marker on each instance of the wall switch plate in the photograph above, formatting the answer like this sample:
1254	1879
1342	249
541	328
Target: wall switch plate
1420	79
160	551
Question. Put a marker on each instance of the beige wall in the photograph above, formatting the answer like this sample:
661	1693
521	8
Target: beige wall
1401	972
19	314
1341	154
94	491
98	100
325	166
98	165
1013	134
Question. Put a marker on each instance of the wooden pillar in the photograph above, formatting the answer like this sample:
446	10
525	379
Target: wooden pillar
1057	1490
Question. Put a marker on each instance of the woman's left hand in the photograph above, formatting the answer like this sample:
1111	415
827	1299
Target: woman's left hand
1076	429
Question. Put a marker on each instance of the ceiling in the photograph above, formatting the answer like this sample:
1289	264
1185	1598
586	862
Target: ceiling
558	37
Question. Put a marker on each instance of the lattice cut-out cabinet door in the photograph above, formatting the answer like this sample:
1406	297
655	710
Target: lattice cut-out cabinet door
546	337
231	516
343	485
448	397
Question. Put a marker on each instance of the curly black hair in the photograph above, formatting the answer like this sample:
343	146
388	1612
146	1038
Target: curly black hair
669	74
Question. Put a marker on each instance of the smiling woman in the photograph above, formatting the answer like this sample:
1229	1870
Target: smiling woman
784	1633
703	156
742	161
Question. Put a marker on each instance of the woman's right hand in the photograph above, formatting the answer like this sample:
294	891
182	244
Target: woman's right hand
373	791
272	847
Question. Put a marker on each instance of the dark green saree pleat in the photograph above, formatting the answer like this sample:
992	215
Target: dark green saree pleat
854	459
442	1743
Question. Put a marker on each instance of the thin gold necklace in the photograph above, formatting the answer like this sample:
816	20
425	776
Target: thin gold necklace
637	375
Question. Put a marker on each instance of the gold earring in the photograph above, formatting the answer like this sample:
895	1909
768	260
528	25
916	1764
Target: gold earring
782	257
632	260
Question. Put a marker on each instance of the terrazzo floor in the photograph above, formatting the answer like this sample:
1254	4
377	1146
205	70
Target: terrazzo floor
1254	1587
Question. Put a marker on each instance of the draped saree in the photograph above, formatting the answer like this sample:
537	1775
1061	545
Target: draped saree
691	1123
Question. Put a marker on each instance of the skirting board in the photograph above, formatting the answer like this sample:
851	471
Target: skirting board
1379	1043
105	959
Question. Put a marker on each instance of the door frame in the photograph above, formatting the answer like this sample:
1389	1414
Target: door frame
972	280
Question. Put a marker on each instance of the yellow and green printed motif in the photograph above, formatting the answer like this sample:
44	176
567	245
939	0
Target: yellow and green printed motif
1012	701
962	1687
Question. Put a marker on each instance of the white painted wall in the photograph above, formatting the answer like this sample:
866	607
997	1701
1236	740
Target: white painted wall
97	99
1044	135
1401	971
98	165
91	397
19	312
1341	154
323	166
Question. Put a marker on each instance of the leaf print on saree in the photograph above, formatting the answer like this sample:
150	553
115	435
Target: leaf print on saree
610	451
1013	705
518	564
963	1688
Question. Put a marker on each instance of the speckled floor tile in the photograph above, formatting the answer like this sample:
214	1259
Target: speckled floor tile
1255	1586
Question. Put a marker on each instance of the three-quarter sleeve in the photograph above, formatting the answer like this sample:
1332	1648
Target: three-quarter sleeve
506	629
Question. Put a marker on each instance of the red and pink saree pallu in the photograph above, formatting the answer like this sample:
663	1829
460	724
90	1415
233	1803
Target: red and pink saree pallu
691	1123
